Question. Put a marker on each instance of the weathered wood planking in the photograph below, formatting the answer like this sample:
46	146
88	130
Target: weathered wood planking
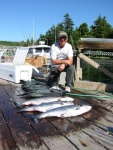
78	137
54	140
23	134
92	130
6	140
102	121
44	130
95	43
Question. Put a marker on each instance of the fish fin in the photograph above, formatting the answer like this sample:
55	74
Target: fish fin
36	120
62	115
21	110
29	116
21	94
78	108
62	103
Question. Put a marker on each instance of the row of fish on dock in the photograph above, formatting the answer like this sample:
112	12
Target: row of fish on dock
49	103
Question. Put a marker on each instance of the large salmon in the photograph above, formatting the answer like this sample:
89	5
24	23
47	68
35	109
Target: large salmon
37	101
43	107
63	112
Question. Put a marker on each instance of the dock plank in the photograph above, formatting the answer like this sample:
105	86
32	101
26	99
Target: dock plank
56	137
51	136
84	141
92	130
6	140
24	136
75	134
101	137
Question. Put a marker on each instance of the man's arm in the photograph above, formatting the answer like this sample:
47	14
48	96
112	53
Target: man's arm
68	62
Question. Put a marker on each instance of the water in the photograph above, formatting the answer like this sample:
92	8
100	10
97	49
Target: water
89	73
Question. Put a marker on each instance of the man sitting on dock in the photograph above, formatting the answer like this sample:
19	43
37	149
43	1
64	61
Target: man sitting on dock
61	61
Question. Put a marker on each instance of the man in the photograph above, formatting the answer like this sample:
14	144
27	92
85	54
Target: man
61	60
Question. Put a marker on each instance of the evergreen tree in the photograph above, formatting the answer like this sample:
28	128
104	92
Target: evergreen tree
75	37
111	34
84	30
68	25
101	28
28	42
59	28
50	35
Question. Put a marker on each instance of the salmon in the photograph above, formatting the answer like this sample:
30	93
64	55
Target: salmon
62	112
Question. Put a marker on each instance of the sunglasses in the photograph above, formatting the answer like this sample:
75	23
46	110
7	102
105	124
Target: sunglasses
63	37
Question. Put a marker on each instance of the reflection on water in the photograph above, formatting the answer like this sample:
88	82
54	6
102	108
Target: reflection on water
91	74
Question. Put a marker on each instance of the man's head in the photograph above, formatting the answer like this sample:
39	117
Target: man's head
62	38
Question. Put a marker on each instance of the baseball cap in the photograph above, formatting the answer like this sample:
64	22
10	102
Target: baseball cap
62	33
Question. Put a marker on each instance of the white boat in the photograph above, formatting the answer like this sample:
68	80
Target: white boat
40	50
6	55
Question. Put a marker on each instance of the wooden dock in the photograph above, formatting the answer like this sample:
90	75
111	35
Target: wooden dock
90	131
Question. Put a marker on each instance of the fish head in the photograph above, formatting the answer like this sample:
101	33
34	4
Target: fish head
88	107
84	107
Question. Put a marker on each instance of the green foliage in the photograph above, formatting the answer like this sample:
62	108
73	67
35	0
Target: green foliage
100	29
8	43
83	30
68	25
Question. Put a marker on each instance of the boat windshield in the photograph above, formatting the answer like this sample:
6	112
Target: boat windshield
47	50
39	50
30	51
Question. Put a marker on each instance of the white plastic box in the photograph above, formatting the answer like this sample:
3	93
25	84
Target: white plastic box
15	73
17	70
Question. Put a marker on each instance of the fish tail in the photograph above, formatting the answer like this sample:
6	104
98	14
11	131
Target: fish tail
34	118
29	116
19	105
21	94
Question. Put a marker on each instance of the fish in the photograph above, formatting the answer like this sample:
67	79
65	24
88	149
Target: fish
61	112
37	101
41	94
43	107
33	82
41	91
35	87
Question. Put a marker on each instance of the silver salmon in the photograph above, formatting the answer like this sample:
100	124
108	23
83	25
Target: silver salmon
63	112
40	100
43	107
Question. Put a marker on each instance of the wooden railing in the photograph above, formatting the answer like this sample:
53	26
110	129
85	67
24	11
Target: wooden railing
91	44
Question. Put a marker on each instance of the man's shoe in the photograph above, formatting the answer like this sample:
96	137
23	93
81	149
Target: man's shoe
54	88
67	89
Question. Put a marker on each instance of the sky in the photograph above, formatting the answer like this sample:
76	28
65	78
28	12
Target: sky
23	19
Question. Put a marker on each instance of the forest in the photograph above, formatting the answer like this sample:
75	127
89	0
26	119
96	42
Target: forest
99	29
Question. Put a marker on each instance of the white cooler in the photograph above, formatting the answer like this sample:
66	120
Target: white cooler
17	70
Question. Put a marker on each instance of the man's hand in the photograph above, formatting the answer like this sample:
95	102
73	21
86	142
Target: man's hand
61	67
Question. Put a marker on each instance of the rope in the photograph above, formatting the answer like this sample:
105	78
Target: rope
91	95
84	95
92	90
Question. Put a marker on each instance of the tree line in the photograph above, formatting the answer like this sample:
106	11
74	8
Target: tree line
100	29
